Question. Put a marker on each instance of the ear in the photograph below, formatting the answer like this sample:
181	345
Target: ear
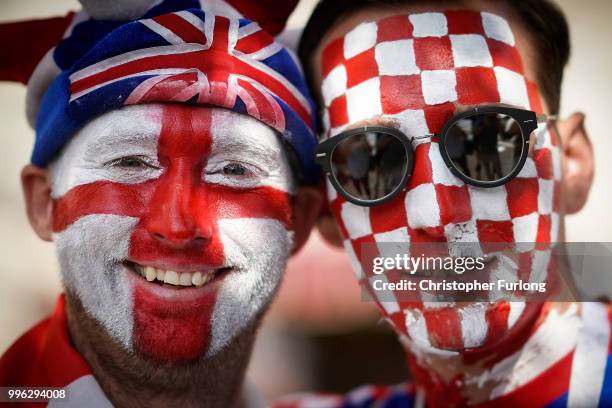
326	224
329	230
306	206
36	185
578	162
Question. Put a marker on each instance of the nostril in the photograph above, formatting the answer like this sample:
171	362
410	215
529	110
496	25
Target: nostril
159	236
178	240
204	231
199	240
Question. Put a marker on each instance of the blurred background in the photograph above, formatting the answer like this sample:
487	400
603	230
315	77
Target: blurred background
318	330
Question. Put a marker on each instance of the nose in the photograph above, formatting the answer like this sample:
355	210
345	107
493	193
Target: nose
435	197
176	217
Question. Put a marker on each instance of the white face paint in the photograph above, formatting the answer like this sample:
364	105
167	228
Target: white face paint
173	193
537	355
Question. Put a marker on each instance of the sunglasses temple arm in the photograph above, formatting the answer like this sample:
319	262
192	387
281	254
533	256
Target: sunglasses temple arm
544	118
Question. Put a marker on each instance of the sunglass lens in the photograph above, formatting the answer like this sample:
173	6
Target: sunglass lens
485	147
369	166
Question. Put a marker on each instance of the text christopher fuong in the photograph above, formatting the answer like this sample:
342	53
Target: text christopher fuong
430	266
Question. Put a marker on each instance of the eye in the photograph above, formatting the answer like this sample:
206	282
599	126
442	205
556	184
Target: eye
234	169
234	174
130	162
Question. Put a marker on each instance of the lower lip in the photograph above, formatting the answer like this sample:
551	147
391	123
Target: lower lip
179	293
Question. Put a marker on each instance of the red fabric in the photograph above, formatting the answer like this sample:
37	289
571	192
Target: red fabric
543	389
23	44
43	356
270	14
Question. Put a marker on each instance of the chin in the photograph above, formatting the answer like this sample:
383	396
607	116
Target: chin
467	327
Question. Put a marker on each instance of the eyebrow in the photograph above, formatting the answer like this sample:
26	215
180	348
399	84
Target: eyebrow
265	149
122	137
374	121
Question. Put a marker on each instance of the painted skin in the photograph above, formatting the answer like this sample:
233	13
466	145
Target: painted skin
176	188
414	72
435	205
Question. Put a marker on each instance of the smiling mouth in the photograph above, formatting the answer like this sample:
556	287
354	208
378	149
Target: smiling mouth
175	279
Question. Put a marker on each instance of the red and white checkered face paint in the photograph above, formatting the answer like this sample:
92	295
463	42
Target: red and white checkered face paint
415	72
182	194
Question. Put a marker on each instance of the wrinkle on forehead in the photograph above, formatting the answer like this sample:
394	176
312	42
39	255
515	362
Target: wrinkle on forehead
384	120
390	121
378	120
239	133
132	127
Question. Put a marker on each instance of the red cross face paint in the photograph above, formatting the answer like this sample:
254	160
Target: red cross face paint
173	225
415	72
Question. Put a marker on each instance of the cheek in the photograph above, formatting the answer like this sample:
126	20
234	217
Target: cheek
534	197
354	221
263	202
90	251
260	248
100	197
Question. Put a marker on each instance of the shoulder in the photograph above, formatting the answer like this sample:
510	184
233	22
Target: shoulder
44	356
591	377
597	339
402	395
18	362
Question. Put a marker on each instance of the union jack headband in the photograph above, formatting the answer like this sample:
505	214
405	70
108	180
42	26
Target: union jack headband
178	51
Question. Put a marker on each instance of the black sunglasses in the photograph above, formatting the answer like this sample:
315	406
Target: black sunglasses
486	146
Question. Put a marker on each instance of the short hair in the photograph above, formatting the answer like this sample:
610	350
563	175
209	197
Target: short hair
544	21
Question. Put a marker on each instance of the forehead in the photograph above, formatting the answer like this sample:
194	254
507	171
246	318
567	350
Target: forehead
419	68
166	133
347	22
140	127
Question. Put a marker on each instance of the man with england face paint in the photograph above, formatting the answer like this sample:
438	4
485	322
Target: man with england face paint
411	94
171	169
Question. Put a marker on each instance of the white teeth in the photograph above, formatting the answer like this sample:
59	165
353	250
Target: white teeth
171	278
185	279
140	270
196	279
150	273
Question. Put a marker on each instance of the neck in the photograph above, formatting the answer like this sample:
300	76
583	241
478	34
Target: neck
131	380
453	379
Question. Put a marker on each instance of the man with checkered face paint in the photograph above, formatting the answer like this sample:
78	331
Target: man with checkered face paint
171	169
412	66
